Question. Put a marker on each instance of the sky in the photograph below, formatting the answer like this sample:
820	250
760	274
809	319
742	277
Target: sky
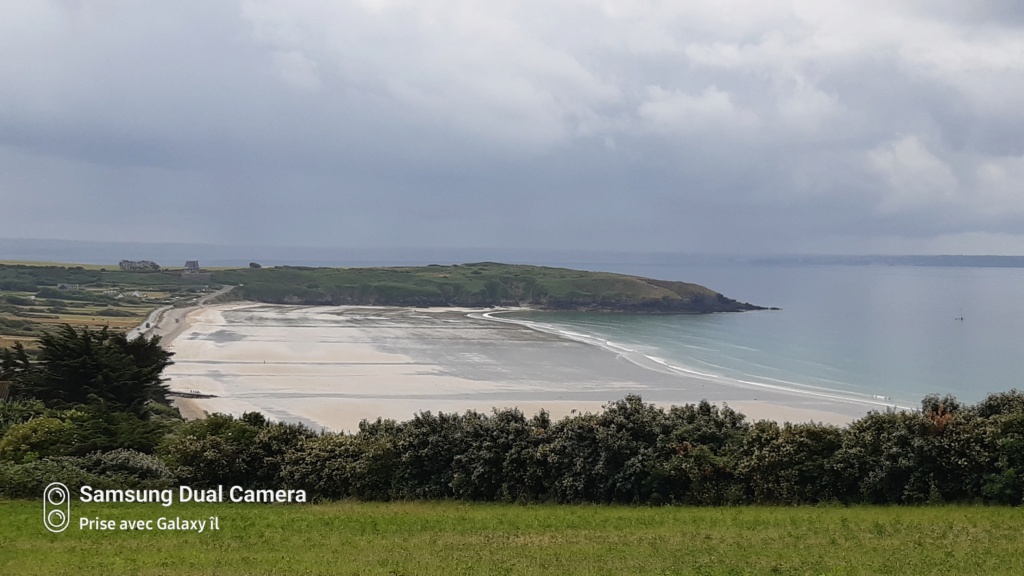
720	126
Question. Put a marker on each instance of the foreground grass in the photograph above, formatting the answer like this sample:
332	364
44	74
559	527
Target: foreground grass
455	538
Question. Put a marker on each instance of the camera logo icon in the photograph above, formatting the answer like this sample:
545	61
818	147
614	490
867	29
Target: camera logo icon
56	507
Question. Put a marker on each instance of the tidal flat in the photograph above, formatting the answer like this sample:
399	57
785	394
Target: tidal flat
331	367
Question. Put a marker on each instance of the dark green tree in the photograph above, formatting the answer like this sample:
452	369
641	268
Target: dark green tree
89	367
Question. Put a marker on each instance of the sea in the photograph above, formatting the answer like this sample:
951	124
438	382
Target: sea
896	333
875	328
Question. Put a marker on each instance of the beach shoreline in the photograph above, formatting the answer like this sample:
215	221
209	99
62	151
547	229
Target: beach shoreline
172	324
331	367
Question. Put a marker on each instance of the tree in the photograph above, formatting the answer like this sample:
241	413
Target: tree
90	367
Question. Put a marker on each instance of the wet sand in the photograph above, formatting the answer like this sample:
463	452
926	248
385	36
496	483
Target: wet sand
330	367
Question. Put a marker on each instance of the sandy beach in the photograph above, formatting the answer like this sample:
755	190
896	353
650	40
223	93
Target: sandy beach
331	367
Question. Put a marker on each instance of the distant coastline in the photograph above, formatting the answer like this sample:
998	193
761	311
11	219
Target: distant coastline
94	252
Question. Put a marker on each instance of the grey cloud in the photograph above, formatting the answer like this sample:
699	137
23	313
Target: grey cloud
742	126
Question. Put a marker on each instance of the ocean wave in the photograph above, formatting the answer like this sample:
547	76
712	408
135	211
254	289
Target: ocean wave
743	380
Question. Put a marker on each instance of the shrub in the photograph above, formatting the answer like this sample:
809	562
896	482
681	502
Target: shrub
129	468
19	411
502	460
336	466
27	480
117	469
39	438
792	464
216	450
18	300
223	450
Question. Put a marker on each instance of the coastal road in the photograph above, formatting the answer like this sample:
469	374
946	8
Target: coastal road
151	326
148	323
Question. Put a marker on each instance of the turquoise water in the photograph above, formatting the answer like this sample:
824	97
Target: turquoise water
873	331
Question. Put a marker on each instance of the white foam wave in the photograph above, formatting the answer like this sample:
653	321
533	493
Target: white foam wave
645	361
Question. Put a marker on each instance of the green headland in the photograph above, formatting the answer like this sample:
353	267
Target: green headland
480	284
35	297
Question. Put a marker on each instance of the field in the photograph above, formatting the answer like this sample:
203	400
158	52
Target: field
456	538
35	298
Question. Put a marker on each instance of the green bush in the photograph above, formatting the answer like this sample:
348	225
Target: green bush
334	466
221	449
502	460
28	480
216	450
80	432
18	300
39	438
792	464
121	469
129	468
20	411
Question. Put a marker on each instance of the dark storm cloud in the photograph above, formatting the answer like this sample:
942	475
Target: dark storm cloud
697	126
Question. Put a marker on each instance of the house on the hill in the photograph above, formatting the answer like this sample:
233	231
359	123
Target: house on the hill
192	272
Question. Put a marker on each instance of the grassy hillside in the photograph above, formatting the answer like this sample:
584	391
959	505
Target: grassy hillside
455	538
39	297
479	284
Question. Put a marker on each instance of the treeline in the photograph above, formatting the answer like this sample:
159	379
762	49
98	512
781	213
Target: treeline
93	411
631	453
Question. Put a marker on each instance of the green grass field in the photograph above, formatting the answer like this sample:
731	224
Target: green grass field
455	538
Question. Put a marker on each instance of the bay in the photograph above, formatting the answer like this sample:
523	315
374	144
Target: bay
867	331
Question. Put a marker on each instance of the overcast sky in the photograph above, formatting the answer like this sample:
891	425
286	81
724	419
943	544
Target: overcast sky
735	126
